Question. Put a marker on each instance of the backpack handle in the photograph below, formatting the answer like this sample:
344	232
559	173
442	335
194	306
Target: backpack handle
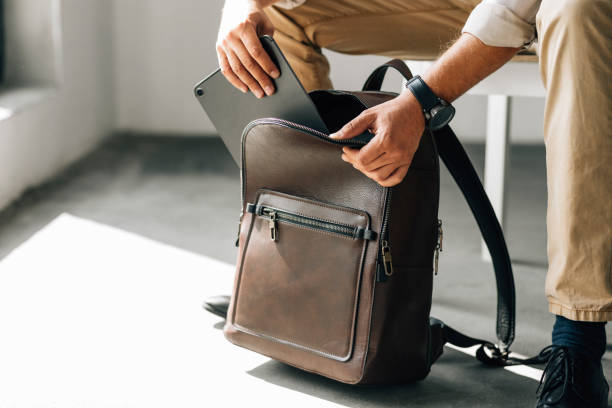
376	78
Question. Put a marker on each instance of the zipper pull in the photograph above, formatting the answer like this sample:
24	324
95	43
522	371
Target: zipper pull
436	258
238	233
440	234
273	229
438	247
386	255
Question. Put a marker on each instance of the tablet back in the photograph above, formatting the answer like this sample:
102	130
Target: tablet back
230	110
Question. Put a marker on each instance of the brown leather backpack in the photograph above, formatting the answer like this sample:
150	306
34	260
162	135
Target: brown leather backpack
334	272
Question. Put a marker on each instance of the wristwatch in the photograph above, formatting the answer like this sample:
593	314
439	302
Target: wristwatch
438	113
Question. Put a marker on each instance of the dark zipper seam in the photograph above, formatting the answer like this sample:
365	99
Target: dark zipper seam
345	230
384	235
300	215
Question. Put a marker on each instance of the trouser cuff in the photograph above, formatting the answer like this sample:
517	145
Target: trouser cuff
582	315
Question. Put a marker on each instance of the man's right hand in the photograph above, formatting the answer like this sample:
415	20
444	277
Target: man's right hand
242	59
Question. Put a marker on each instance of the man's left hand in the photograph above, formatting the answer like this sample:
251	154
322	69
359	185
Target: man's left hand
397	125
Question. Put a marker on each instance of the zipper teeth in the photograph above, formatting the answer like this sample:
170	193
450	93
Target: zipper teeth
342	229
386	213
304	128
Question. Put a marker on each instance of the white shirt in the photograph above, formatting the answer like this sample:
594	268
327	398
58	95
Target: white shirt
504	23
499	23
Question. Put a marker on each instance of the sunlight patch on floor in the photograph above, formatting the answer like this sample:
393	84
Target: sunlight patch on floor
94	316
522	370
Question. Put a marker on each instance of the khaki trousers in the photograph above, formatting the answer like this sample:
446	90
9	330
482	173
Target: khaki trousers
575	49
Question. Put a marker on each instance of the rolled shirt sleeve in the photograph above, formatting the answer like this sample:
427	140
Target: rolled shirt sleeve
289	4
504	23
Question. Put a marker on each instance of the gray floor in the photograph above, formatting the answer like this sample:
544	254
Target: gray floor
186	192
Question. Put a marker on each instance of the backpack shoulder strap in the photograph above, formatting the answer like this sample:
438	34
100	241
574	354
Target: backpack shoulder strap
486	353
459	165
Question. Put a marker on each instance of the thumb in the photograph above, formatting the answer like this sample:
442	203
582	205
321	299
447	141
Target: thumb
265	26
355	127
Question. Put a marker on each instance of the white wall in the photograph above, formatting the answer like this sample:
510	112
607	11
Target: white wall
39	140
164	47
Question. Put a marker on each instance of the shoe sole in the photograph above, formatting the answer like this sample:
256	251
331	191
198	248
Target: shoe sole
214	310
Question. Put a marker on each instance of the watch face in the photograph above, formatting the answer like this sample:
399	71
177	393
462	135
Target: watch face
440	116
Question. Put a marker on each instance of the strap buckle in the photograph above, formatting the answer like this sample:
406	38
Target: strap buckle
493	355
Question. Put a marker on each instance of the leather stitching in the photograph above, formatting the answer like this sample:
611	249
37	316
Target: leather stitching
292	342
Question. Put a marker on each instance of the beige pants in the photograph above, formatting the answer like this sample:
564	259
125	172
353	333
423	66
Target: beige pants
575	48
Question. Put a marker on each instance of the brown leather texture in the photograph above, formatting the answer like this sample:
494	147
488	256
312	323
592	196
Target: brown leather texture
284	282
310	297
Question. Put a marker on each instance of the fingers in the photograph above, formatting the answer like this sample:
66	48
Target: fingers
352	155
395	177
356	126
265	26
379	174
244	75
257	52
384	169
387	175
244	61
379	169
264	83
226	69
373	150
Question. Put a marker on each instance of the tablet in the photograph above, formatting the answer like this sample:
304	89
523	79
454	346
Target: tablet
230	110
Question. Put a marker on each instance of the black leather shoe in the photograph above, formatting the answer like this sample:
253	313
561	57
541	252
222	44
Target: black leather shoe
572	380
217	305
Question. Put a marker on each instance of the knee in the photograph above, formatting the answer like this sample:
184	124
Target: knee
579	11
570	13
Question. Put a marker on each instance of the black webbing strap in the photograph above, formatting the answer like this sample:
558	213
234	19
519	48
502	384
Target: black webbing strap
459	165
487	352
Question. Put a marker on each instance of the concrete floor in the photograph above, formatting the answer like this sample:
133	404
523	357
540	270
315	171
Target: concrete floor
185	193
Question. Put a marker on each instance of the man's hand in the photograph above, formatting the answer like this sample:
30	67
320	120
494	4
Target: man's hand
242	58
397	125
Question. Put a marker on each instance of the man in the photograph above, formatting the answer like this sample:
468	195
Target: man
575	50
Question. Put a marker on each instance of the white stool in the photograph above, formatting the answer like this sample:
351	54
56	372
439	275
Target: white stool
519	77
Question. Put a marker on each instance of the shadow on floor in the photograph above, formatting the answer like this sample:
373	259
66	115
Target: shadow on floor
456	380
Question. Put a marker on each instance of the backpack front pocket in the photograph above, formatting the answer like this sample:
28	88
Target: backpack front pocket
300	260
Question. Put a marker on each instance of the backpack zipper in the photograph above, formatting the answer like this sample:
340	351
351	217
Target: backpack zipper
384	252
385	258
275	215
438	248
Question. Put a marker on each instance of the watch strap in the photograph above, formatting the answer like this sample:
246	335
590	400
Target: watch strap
423	93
